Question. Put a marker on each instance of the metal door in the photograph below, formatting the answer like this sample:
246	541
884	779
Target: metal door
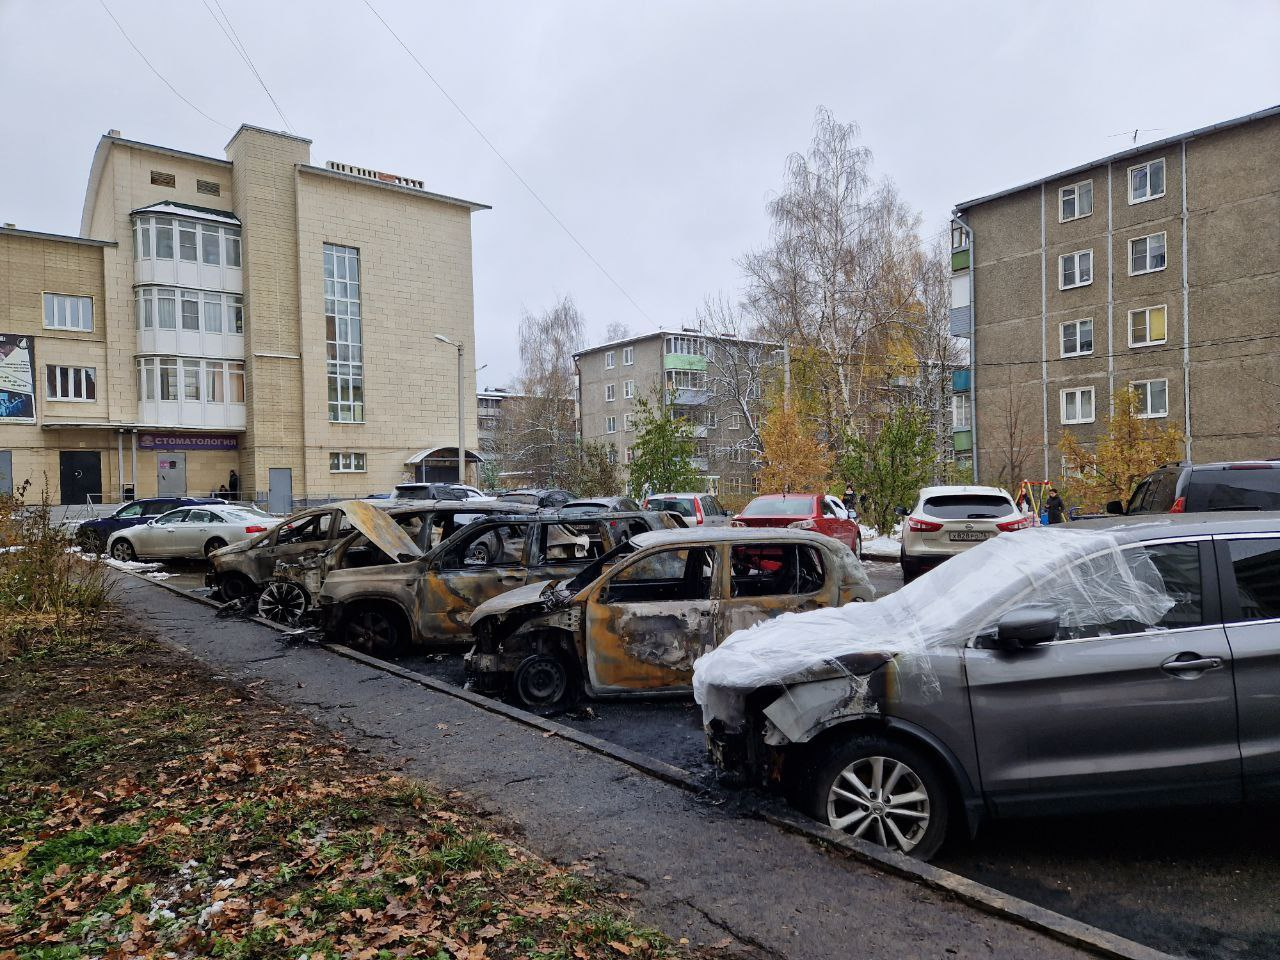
80	475
6	471
280	490
171	474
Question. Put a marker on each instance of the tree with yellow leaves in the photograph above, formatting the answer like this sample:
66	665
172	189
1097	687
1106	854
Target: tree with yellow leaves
1129	449
795	460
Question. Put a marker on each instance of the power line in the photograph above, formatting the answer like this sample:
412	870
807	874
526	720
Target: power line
238	45
158	74
498	153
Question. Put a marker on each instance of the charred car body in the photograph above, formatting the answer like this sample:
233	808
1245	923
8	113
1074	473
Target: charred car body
428	600
635	621
1054	670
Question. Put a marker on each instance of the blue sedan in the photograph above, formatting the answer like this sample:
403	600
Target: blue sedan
93	535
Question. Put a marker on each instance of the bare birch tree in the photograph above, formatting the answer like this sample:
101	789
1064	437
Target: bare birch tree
739	368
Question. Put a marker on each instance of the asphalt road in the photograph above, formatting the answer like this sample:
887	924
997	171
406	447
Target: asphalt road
1198	883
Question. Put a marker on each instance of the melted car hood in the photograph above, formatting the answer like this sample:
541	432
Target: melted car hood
383	532
530	593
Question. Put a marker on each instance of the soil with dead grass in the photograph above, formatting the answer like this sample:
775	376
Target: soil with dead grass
149	809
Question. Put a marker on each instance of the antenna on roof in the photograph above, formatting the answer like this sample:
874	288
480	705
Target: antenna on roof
1134	132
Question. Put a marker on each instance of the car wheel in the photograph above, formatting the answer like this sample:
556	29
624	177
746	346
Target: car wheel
376	629
215	543
92	542
123	551
544	683
234	586
282	601
883	792
477	554
910	570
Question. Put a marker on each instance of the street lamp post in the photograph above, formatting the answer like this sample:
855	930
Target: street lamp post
462	430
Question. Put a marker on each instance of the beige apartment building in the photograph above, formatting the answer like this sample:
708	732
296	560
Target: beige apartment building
715	382
254	322
1156	269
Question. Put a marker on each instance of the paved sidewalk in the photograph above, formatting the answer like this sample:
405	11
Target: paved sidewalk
694	870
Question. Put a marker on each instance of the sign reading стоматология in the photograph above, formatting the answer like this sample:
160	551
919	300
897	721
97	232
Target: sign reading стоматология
17	379
188	441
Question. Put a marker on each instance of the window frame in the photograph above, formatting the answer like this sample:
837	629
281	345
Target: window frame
628	389
628	423
344	333
348	461
1232	608
610	392
1062	338
1075	259
961	412
1164	251
610	359
50	298
1079	392
1147	310
1062	192
1145	397
628	356
1147	165
611	424
75	378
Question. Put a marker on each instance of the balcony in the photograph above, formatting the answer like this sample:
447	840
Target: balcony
961	321
690	396
191	413
683	361
960	381
962	441
698	463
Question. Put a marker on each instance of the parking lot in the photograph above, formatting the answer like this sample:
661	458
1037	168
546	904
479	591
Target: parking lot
1196	883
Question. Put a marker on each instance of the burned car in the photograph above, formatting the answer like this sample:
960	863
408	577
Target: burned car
246	568
1048	671
635	621
429	600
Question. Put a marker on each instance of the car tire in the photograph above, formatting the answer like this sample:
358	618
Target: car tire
544	683
914	823
283	602
377	629
215	543
123	551
234	586
92	542
910	569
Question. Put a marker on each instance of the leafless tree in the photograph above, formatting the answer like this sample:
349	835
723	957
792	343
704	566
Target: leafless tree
617	330
739	367
1012	444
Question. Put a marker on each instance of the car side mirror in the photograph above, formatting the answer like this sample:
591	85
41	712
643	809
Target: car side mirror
1115	507
1027	626
901	511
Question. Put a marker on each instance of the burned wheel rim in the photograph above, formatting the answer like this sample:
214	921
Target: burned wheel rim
541	681
123	550
373	630
282	602
882	800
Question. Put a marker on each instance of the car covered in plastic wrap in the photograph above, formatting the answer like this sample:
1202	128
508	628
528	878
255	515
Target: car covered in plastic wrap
1053	670
634	622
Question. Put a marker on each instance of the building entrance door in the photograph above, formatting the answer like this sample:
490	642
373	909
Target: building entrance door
280	490
80	475
6	471
171	474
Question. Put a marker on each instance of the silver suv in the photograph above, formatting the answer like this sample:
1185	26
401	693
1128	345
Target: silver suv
1057	670
949	520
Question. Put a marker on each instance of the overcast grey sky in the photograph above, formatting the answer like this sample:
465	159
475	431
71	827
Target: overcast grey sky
655	130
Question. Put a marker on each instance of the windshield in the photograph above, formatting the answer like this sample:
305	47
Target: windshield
968	506
679	505
779	507
590	573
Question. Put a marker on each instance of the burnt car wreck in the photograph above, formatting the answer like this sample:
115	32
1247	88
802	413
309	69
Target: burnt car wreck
635	621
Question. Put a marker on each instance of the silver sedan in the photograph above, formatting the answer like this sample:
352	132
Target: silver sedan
192	532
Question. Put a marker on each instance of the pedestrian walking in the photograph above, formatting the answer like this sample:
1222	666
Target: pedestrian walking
850	499
1055	508
234	484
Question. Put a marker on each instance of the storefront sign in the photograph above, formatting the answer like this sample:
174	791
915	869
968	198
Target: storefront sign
17	379
196	441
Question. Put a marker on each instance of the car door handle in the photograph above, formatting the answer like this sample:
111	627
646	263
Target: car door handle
1190	663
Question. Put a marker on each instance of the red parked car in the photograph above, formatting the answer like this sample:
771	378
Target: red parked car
805	511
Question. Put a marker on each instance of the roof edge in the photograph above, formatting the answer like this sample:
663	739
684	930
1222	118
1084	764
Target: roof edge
664	332
61	237
409	191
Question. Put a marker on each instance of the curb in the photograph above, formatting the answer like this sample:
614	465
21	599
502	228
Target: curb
1062	928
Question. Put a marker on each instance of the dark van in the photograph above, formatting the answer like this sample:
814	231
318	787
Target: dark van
1204	488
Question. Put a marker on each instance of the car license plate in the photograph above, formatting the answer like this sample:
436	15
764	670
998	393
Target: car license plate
966	536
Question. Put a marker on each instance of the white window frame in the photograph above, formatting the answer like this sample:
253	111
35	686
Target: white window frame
1079	393
610	392
219	382
345	347
1062	197
1144	397
628	389
611	424
1074	256
960	412
628	455
1164	250
734	422
628	356
610	359
959	242
77	383
611	454
1147	310
60	307
686	346
1062	337
628	422
1164	180
348	461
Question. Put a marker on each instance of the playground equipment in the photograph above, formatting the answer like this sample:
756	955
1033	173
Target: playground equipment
1031	497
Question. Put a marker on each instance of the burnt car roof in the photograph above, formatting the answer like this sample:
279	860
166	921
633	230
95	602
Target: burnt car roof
677	536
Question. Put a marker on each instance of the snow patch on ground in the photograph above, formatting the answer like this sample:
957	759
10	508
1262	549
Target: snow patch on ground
136	566
876	546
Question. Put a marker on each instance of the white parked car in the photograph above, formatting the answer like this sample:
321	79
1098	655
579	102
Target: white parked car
949	520
192	532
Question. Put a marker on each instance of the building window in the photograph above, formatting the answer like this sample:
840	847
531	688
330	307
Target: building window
208	243
628	455
610	358
1147	326
1077	337
755	483
1075	269
210	312
187	241
734	422
65	312
1153	398
1075	201
1077	405
612	454
610	392
1146	181
190	380
610	424
686	379
628	389
959	240
344	333
628	356
685	346
231	246
1147	254
71	383
710	420
960	411
628	422
346	463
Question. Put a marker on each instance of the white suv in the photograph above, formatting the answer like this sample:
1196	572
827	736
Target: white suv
948	520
